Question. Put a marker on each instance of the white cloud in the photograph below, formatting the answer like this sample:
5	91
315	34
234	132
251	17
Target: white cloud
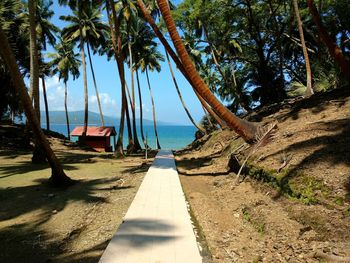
108	104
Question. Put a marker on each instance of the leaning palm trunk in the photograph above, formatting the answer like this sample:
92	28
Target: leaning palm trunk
46	104
38	153
309	89
210	110
66	108
333	49
136	142
141	113
95	85
180	96
178	63
58	177
245	129
153	110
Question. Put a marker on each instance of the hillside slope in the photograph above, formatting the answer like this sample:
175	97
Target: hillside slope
294	203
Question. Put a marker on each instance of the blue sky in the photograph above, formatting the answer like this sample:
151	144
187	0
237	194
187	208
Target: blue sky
168	106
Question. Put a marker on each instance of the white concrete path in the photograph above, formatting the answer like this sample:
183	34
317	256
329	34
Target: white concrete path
157	227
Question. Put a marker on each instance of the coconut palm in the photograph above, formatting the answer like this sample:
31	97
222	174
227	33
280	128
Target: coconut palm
86	27
58	176
114	26
65	62
149	18
243	128
131	22
180	96
150	61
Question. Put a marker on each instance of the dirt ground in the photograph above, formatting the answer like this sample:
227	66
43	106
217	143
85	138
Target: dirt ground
39	223
294	203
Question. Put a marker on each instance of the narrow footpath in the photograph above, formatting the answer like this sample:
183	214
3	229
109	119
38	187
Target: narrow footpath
157	227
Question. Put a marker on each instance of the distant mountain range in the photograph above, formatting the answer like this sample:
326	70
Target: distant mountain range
77	117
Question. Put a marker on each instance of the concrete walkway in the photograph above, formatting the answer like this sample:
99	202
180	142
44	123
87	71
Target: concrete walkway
157	226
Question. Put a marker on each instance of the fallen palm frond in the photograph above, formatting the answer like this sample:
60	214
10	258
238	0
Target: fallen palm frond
264	135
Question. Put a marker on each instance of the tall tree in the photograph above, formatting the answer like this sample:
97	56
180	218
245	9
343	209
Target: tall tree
309	89
245	129
58	176
84	20
64	62
114	26
38	153
333	49
180	96
148	17
150	61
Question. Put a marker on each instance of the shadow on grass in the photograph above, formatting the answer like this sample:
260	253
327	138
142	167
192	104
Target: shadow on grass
27	242
68	159
24	243
16	201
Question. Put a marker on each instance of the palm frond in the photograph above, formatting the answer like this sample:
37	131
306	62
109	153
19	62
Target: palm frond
264	135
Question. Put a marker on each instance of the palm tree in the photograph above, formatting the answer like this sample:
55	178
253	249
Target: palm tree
309	90
114	26
46	32
85	27
58	176
180	96
243	128
148	17
45	71
143	40
333	49
65	62
38	153
150	60
132	33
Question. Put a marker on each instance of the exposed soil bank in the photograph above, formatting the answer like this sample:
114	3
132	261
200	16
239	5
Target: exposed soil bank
294	204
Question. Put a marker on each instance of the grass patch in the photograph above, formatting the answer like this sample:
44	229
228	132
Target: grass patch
254	220
295	185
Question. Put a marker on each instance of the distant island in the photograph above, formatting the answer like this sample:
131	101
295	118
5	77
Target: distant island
77	117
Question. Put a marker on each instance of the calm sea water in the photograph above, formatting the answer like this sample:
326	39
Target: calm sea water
170	137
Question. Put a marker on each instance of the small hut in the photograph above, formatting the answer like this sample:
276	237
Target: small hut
98	138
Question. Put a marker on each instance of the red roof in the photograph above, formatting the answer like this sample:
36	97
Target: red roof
94	131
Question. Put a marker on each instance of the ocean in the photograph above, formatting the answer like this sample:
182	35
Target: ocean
170	137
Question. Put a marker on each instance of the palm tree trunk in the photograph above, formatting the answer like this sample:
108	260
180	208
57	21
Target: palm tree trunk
309	90
333	49
208	117
66	109
58	177
141	113
46	104
137	145
86	96
180	96
178	63
245	129
34	57
38	153
210	110
95	85
116	41
153	110
131	145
